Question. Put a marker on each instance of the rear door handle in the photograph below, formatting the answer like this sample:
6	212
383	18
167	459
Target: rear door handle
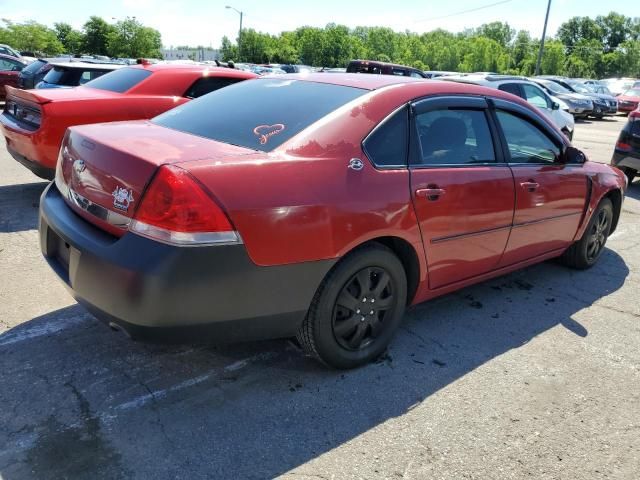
431	193
530	185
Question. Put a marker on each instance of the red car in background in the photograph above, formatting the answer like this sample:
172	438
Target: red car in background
320	207
629	100
34	121
10	68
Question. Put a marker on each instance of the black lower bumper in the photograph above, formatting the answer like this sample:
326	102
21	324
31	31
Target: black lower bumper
39	170
153	290
626	160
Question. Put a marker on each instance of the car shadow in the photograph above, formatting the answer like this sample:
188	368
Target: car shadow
19	206
81	401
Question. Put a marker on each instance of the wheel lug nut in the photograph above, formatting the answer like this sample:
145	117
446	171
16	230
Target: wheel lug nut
362	319
364	299
371	312
358	311
373	300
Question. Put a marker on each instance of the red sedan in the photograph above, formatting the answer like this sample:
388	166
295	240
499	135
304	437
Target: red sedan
320	207
629	100
34	121
10	68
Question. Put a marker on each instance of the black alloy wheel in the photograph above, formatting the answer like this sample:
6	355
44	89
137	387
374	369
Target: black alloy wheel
585	252
597	235
361	308
357	308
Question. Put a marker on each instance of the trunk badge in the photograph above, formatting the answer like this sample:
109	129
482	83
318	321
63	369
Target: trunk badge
122	198
356	164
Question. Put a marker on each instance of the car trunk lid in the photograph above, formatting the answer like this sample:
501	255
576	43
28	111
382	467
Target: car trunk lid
104	169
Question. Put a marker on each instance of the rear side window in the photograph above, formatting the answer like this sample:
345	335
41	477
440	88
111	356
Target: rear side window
121	80
387	145
512	88
205	85
527	143
455	137
259	114
71	77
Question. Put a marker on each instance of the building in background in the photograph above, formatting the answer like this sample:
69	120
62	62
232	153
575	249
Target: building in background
198	54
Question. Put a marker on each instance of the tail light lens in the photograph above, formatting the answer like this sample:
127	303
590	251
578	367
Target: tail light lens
625	147
175	209
29	117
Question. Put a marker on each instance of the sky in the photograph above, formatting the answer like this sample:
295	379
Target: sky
205	22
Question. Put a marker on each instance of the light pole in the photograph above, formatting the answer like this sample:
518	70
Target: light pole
544	33
239	31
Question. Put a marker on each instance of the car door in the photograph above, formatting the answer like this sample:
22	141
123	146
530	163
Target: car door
462	191
550	196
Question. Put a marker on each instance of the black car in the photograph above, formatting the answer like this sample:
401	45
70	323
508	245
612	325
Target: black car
603	104
383	68
33	74
626	155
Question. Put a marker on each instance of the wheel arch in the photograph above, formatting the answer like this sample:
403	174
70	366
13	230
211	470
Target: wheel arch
615	195
407	255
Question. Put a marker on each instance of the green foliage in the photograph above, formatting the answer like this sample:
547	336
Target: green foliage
130	39
70	39
96	33
32	36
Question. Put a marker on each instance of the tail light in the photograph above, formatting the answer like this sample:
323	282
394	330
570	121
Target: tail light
635	115
176	210
28	116
625	147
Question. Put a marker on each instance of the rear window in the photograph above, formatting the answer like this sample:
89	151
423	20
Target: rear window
121	80
34	67
258	114
72	77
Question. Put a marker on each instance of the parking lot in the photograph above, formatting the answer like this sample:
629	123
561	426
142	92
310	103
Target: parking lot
535	374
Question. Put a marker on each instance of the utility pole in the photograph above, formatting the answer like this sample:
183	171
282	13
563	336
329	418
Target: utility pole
239	31
544	34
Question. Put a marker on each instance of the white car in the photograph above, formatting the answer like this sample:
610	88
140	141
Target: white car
554	108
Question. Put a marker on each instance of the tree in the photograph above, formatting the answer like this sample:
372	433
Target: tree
228	51
70	39
553	58
498	31
130	39
96	33
32	36
579	28
615	29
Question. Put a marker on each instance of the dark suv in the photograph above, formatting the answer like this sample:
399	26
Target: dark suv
626	155
382	68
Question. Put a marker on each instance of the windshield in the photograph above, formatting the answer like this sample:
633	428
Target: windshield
119	81
34	67
634	92
580	88
258	114
553	86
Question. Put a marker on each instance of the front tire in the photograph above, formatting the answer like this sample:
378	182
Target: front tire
357	309
585	252
630	173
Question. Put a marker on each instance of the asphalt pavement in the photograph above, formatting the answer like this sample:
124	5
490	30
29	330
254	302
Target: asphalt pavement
531	375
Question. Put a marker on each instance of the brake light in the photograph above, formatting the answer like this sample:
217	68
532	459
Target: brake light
175	209
30	117
623	146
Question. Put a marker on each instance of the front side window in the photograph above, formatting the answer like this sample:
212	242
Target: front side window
387	145
455	137
527	143
535	96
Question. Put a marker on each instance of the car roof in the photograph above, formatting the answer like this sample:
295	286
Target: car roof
87	65
366	81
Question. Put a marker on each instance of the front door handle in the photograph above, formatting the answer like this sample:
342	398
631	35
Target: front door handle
530	185
432	194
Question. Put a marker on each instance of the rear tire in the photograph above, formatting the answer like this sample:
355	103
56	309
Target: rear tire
585	252
357	309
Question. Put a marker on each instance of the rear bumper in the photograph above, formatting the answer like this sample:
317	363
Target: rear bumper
158	291
626	159
37	147
39	170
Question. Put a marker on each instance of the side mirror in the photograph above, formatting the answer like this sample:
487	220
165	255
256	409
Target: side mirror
574	156
555	106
